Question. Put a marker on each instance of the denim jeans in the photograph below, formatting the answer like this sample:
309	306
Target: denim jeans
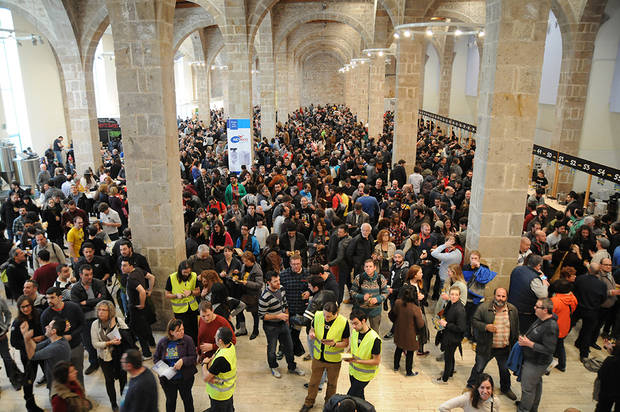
279	332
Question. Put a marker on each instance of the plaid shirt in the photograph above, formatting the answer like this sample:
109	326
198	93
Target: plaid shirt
502	323
295	284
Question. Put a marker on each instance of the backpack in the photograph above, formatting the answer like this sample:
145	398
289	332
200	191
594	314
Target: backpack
348	256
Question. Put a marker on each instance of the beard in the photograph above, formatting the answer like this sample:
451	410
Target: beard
498	303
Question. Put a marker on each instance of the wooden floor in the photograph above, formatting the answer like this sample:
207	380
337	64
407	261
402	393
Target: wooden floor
389	391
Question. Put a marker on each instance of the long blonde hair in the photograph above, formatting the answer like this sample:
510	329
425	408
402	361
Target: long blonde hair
458	273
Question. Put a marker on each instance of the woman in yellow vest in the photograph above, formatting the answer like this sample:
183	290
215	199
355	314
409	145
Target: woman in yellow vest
365	352
182	289
330	336
220	372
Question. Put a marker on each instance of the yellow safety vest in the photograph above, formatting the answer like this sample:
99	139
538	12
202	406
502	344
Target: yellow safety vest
363	373
330	353
223	386
181	305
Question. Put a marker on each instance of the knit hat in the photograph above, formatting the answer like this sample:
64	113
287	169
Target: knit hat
399	252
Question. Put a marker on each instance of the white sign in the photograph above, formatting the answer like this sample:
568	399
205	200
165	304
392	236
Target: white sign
239	144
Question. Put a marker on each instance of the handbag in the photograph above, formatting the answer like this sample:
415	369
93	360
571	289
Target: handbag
556	274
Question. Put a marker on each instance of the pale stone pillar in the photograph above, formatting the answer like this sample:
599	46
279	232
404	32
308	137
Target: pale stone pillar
507	109
202	90
267	79
445	81
410	57
355	91
361	82
347	89
376	96
293	103
81	109
577	51
282	85
145	78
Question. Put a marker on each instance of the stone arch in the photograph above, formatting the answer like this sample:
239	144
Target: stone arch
292	24
212	9
318	51
332	45
299	47
186	21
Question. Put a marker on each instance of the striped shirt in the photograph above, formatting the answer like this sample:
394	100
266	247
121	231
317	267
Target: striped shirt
272	303
502	323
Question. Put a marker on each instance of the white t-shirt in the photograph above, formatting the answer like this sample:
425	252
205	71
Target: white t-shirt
111	217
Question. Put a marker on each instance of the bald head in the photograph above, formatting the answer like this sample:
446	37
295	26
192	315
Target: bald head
594	268
541	236
525	244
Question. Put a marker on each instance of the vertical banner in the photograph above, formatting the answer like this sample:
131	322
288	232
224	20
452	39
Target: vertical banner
239	144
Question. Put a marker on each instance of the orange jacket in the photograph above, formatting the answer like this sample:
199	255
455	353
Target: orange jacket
564	304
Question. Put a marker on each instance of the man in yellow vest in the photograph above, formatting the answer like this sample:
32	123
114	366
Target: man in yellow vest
181	289
366	354
330	336
220	373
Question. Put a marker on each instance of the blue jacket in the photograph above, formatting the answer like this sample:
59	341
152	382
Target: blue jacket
520	292
515	360
251	246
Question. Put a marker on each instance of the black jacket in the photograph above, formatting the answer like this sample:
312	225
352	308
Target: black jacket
455	329
17	274
359	250
78	294
361	405
301	244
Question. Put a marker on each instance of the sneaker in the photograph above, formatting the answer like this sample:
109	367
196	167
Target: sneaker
147	357
388	336
276	373
412	373
92	368
297	372
510	395
438	381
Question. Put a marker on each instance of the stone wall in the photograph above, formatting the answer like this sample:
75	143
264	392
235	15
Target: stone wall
321	81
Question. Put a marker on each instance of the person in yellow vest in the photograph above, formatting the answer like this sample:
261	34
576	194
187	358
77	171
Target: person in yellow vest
182	289
220	373
365	352
330	336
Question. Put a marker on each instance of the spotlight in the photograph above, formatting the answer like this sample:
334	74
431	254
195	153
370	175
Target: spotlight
396	35
213	67
429	32
407	33
368	54
481	34
457	32
380	54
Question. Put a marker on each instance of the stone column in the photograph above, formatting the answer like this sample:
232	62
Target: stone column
282	84
410	57
347	88
577	51
202	89
293	102
81	109
145	79
362	73
507	109
445	81
376	94
355	91
267	79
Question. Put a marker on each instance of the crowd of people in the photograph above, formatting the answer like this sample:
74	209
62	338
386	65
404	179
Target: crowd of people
321	220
